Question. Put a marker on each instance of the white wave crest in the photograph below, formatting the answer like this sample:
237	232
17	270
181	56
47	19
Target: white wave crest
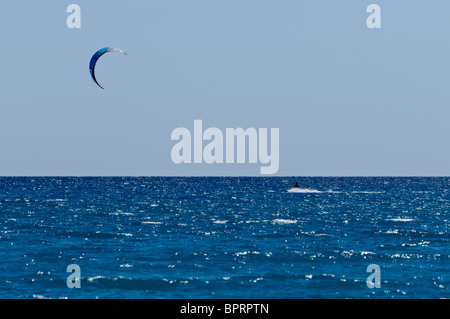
303	190
398	219
220	221
284	221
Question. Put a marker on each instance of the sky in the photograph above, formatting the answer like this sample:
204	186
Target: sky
348	100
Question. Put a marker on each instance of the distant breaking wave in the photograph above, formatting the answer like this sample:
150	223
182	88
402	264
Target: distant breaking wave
284	221
310	191
303	190
315	191
400	219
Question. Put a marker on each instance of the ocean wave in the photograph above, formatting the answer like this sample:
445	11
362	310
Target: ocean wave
311	191
37	296
220	221
390	231
280	221
399	219
119	212
303	190
243	253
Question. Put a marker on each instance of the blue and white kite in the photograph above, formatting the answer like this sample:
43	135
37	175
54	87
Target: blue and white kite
97	56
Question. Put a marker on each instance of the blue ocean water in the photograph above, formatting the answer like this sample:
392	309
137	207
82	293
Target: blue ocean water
217	237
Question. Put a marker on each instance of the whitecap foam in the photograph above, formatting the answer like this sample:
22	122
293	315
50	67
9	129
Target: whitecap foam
311	191
94	278
243	253
303	190
220	221
395	231
280	221
119	212
127	234
102	278
367	253
398	219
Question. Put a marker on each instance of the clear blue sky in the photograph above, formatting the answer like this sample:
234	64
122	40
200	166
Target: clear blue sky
348	100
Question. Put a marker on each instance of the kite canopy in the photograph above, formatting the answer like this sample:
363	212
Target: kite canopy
97	56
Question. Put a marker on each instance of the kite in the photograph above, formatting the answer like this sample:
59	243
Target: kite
97	56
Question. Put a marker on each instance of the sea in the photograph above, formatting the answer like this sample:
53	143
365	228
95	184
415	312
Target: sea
224	237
